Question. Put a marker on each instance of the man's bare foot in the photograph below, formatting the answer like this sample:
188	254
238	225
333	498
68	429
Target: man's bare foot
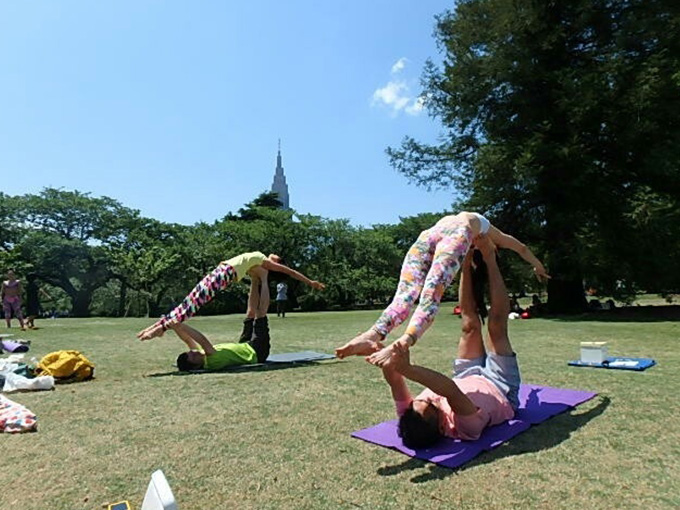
364	344
152	331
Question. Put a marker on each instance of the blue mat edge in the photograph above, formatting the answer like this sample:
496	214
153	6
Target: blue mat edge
591	364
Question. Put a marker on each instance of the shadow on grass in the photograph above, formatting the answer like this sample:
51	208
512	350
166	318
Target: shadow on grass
537	438
266	367
663	313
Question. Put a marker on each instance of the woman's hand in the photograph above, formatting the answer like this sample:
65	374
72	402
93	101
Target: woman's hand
317	285
541	273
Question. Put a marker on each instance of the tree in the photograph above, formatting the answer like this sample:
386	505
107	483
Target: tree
265	200
70	264
151	258
63	238
558	116
8	224
9	233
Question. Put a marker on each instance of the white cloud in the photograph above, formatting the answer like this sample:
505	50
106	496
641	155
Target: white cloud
416	107
393	95
399	65
396	95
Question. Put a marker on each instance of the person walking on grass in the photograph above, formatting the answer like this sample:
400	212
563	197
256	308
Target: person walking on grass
228	271
10	292
428	269
281	299
33	294
485	386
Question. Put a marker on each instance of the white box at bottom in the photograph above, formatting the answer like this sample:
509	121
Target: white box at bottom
593	354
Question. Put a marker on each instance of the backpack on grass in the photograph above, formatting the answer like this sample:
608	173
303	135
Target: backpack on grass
66	366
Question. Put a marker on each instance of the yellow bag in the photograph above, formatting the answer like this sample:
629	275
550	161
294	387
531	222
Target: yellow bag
66	366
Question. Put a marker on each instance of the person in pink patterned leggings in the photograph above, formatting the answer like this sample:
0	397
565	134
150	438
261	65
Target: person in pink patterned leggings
428	269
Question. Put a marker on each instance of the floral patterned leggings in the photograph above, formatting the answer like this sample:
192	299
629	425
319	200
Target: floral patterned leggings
428	269
204	292
15	417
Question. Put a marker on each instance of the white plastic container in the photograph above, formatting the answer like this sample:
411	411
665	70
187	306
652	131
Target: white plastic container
593	352
158	494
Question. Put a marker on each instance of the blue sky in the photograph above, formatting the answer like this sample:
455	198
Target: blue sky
175	108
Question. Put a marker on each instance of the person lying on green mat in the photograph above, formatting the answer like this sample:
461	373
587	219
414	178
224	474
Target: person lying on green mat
484	389
254	343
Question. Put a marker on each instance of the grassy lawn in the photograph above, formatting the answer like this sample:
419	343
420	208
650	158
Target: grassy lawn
281	438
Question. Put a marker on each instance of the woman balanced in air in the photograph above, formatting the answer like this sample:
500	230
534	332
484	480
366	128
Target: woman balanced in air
428	269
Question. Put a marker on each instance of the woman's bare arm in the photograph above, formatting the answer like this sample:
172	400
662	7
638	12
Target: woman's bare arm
503	240
275	266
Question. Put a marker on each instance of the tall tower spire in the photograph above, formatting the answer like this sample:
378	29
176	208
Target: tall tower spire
279	185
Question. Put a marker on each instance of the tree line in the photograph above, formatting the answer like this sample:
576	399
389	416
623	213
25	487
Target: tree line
99	257
561	123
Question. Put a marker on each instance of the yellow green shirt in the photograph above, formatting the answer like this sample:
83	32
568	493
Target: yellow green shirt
229	355
244	262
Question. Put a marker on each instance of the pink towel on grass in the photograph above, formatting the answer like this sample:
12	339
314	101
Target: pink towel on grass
15	417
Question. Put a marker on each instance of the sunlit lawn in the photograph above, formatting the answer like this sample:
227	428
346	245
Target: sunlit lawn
281	438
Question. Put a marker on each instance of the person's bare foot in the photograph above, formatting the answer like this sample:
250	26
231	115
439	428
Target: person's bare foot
364	344
153	331
383	356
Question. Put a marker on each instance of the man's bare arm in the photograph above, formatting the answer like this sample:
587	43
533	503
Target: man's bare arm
397	384
441	385
193	338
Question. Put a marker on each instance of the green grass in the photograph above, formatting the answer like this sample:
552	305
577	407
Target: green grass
281	438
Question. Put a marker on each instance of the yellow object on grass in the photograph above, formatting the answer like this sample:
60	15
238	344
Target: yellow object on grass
71	366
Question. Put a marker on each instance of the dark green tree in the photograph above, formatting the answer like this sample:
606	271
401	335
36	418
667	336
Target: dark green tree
64	237
251	211
9	233
559	117
151	259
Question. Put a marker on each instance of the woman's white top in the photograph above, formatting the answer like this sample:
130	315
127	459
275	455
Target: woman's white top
484	223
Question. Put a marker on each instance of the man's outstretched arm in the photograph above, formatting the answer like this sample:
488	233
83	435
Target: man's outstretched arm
397	384
193	338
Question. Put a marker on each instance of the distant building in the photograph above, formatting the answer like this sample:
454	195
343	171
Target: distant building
279	185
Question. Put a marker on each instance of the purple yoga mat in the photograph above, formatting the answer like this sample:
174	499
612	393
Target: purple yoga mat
537	404
11	346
